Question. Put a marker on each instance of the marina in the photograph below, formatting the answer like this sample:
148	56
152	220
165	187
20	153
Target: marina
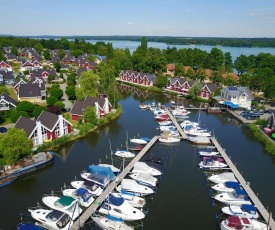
182	164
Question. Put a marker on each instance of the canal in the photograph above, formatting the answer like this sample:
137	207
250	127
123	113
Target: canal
182	200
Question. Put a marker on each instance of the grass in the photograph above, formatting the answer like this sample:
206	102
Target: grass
12	93
7	121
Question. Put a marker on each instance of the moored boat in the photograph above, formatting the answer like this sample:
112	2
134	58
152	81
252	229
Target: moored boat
108	222
238	197
92	187
209	151
214	110
135	201
222	177
29	226
124	154
113	168
144	179
7	180
199	140
27	165
236	222
244	210
84	197
169	140
210	164
142	167
228	186
138	141
130	185
52	219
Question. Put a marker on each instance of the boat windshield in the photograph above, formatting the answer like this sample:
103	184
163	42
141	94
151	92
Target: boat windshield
65	219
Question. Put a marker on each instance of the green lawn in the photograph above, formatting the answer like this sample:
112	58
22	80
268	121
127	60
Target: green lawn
12	93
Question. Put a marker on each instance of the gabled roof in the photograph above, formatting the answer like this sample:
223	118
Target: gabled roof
80	70
30	90
236	91
7	75
8	99
26	124
48	119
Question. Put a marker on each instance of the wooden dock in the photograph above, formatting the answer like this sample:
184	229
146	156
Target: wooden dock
173	119
262	210
89	211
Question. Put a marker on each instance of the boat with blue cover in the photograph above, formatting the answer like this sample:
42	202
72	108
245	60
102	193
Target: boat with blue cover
84	197
238	197
120	208
27	165
135	201
99	175
228	186
29	226
244	210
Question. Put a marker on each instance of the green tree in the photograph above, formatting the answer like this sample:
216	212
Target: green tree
38	48
15	145
216	58
25	106
14	51
179	69
57	66
4	89
64	43
15	114
90	115
51	100
241	64
61	54
2	56
70	91
228	62
60	105
47	54
91	58
88	85
76	53
56	92
38	110
161	81
194	91
51	78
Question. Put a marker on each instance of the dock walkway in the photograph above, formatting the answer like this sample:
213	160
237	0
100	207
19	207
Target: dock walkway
173	119
89	211
262	210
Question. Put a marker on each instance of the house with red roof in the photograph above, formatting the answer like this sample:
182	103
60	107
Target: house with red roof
170	69
5	66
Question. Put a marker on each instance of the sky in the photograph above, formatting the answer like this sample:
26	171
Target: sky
186	18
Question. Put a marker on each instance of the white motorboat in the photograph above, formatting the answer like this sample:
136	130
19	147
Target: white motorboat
138	141
238	197
167	128
222	177
209	151
52	219
196	132
92	187
84	197
143	106
180	112
135	201
109	223
228	186
130	185
120	208
64	204
244	210
236	222
165	123
124	154
199	140
144	179
210	164
142	167
97	178
113	168
169	140
187	122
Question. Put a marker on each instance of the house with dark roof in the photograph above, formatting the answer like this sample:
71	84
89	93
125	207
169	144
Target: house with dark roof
31	65
43	73
5	66
68	59
236	95
6	102
101	104
206	90
80	71
6	77
47	127
144	79
35	92
18	82
170	69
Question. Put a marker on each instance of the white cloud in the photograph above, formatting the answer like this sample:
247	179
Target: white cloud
131	23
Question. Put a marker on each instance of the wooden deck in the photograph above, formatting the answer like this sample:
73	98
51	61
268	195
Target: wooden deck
262	210
173	119
89	211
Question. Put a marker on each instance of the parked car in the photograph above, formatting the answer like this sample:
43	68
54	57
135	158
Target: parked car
3	129
259	112
244	113
252	116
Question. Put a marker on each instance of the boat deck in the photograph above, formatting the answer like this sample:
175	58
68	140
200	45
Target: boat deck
86	215
262	210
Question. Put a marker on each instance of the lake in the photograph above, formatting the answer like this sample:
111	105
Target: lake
182	199
235	51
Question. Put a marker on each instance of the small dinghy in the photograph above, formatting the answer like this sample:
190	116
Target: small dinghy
138	141
209	151
169	140
210	164
143	106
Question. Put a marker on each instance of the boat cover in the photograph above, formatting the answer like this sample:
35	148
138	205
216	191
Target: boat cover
130	184
105	171
84	194
232	184
55	215
29	226
141	166
117	201
127	193
249	208
66	200
146	178
90	185
240	191
145	138
227	176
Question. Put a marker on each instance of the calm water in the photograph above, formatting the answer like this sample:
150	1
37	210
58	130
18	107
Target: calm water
182	200
235	51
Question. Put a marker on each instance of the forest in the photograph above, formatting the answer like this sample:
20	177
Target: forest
255	71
